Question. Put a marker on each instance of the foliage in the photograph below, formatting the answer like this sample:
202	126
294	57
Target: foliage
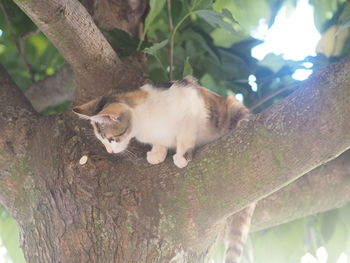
210	40
9	238
27	54
214	36
291	241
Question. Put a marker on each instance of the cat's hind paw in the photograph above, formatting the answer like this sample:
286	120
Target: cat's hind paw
180	161
155	157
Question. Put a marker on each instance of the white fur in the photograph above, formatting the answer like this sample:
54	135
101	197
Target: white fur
114	147
172	118
169	115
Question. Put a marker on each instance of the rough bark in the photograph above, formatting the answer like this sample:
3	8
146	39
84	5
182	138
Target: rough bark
17	119
325	187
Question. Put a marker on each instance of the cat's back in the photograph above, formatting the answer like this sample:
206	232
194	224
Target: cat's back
168	111
186	104
179	101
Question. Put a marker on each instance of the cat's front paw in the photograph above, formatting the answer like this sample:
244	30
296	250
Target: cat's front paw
155	157
180	161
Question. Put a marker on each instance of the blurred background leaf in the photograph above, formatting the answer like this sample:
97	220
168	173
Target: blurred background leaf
9	238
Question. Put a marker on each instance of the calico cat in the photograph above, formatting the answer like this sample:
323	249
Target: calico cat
183	116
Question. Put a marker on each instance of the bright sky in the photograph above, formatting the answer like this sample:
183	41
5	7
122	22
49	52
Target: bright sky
3	251
293	35
322	256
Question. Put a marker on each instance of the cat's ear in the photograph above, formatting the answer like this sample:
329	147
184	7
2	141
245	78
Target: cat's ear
111	113
104	118
87	110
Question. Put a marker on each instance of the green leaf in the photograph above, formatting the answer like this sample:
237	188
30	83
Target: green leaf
123	43
202	4
226	13
329	221
57	109
286	240
188	70
344	17
215	19
9	237
155	47
200	44
156	7
208	82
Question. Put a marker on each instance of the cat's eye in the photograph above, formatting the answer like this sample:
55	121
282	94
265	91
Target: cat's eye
110	140
120	134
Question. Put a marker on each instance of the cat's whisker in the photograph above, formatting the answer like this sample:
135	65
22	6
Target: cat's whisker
131	153
135	149
130	159
131	156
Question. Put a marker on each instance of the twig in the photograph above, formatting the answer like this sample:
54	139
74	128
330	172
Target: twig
271	96
29	34
171	41
19	44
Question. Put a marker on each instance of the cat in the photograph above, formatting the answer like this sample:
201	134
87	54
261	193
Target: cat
183	117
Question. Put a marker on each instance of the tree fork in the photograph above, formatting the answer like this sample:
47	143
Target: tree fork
71	29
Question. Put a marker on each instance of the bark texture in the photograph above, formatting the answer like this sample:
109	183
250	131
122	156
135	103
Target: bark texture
120	209
325	187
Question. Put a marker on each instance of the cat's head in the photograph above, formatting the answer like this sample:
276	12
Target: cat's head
111	121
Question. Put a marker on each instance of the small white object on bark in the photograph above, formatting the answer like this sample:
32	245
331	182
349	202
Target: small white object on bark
83	160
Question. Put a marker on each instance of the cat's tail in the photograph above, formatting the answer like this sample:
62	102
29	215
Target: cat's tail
238	229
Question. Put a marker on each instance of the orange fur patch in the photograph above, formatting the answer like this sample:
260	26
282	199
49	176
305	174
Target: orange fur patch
133	98
224	112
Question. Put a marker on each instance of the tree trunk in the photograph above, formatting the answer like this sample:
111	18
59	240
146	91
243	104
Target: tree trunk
120	209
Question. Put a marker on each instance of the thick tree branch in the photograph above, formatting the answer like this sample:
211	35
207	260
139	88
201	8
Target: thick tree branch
308	128
325	187
71	29
53	90
17	118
